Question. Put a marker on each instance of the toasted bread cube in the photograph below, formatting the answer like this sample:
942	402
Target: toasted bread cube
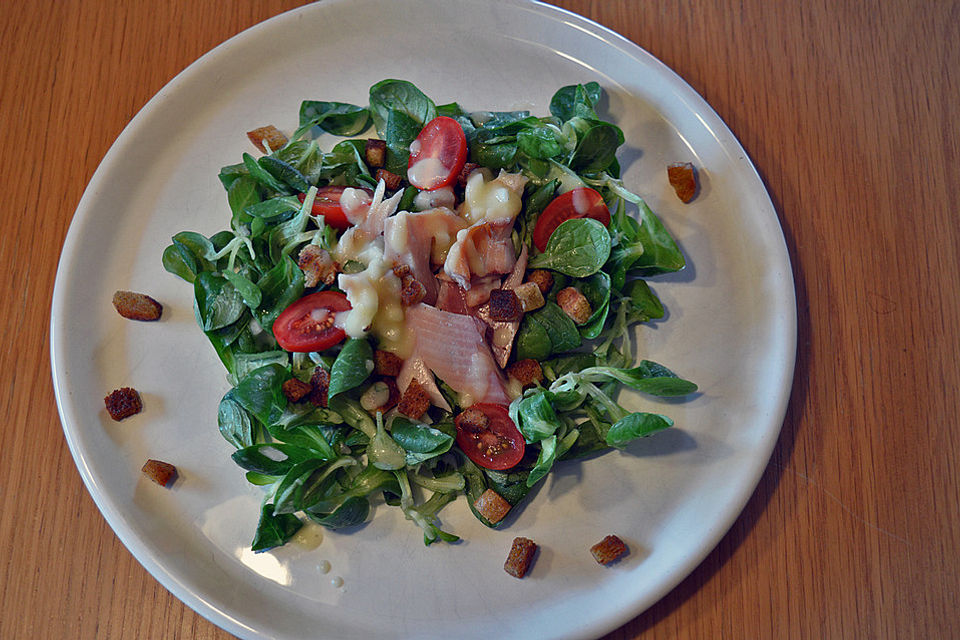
390	179
530	297
473	420
163	473
412	291
492	506
386	363
296	390
683	179
505	306
415	400
375	152
542	278
267	139
527	372
317	266
123	403
137	306
320	384
520	557
574	304
609	549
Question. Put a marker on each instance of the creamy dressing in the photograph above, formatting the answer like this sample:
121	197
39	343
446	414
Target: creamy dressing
486	200
355	203
442	197
374	294
427	172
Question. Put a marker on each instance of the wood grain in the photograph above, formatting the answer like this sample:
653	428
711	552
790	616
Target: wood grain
849	111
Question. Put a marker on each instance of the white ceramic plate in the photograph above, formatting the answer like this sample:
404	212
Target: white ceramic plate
731	328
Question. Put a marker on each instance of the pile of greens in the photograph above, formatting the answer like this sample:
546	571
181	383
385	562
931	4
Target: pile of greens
327	464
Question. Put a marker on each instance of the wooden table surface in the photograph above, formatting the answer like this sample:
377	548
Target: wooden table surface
850	113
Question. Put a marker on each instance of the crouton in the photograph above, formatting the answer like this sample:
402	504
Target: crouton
542	278
386	363
163	473
574	304
137	306
401	270
123	403
415	400
468	168
526	372
529	296
504	305
375	152
317	266
492	506
267	139
412	291
390	179
609	549
296	390
473	420
520	557
319	384
683	179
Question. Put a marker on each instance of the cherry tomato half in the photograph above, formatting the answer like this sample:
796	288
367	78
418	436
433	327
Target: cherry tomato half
438	154
498	445
307	324
327	204
582	202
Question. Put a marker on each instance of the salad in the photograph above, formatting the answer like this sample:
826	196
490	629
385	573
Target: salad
444	310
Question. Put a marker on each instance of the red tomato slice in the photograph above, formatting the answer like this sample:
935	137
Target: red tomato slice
499	445
438	154
327	204
307	324
582	202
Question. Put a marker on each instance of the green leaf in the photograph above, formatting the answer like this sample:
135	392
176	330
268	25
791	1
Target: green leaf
288	496
284	172
264	177
578	248
596	289
648	377
274	530
235	424
532	340
353	365
535	417
561	330
249	292
338	118
353	511
636	425
280	287
272	459
545	460
576	100
261	393
219	304
642	303
399	96
596	147
420	441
